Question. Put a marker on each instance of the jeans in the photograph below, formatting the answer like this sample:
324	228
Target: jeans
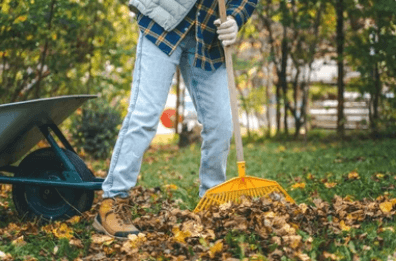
152	79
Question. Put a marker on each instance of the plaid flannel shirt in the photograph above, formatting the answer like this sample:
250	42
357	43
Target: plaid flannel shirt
209	54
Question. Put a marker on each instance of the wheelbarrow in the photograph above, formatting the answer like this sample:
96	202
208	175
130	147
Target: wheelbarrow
51	183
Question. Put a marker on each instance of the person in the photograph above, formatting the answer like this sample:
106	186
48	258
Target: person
188	34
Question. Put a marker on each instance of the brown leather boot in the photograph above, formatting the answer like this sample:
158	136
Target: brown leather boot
114	218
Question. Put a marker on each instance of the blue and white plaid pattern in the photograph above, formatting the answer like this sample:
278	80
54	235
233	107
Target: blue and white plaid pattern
209	52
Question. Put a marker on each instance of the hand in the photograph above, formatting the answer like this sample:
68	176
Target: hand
227	31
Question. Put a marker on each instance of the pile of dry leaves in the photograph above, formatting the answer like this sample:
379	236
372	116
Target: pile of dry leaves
271	222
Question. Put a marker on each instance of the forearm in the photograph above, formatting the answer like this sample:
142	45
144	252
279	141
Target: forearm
241	10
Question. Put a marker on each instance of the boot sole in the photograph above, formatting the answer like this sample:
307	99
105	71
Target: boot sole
98	227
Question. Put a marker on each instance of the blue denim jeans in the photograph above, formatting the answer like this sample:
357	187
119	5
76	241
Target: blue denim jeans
152	79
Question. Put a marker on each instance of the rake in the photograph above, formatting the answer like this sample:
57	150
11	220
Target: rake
243	185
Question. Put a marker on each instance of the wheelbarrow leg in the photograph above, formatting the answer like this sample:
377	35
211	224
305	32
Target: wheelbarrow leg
70	173
61	137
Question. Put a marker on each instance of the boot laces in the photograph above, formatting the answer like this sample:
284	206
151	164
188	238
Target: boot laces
123	212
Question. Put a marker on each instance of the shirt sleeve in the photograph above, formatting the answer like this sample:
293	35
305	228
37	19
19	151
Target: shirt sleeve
241	10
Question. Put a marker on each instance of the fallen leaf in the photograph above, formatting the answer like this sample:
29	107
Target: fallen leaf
298	185
386	207
180	236
100	239
19	241
171	187
303	257
353	175
330	184
343	226
281	148
329	255
216	248
63	231
74	220
76	242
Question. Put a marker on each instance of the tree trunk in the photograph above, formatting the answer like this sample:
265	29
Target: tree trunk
268	94
278	115
340	62
283	76
177	100
377	87
376	98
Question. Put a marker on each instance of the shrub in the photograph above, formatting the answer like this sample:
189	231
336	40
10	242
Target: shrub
95	129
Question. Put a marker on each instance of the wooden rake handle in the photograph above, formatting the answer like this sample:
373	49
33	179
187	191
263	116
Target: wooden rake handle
232	89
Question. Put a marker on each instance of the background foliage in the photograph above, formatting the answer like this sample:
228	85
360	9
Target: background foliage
60	47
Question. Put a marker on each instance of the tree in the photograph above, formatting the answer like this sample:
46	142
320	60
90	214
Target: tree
372	51
60	47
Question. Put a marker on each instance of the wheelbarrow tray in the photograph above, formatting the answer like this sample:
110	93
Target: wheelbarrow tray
18	123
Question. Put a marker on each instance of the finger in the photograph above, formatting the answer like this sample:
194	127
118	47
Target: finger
227	24
227	36
226	31
228	43
217	22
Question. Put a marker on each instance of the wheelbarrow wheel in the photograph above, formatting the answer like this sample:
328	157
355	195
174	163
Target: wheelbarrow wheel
49	203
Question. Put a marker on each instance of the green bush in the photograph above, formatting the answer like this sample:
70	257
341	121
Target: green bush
95	129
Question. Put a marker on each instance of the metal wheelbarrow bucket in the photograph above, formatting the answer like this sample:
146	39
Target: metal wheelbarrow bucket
50	183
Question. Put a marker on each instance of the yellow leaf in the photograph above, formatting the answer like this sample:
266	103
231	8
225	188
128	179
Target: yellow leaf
303	207
281	148
54	36
134	242
180	236
216	248
74	220
29	37
386	206
100	239
13	227
353	175
19	241
5	7
380	175
393	201
171	187
299	185
387	228
330	184
269	214
63	231
21	18
343	226
47	229
310	176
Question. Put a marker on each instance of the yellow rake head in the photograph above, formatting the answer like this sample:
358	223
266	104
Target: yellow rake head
233	189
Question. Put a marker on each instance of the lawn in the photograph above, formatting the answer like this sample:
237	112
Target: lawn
345	209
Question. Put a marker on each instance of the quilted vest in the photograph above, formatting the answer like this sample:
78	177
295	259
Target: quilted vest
167	13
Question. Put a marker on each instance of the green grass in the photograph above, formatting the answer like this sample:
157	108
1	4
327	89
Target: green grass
288	162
